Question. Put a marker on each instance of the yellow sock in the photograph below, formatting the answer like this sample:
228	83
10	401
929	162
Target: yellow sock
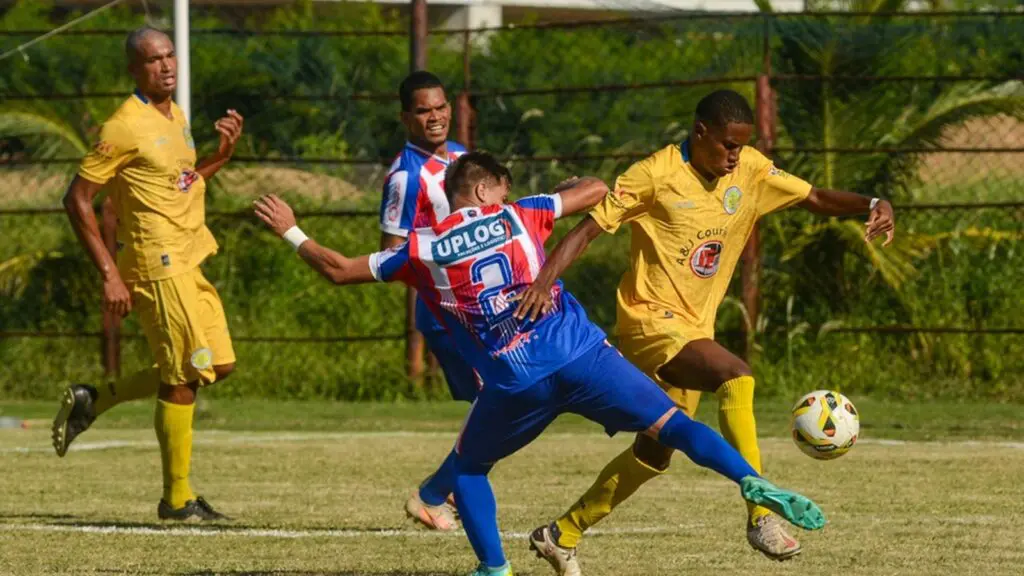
619	479
736	420
141	384
173	423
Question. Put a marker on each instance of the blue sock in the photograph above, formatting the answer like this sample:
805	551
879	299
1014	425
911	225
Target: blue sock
479	512
435	490
705	447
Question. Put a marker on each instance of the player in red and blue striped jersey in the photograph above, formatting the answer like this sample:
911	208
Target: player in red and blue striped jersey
469	269
413	197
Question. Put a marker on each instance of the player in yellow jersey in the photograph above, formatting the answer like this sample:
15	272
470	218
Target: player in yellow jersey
691	208
147	159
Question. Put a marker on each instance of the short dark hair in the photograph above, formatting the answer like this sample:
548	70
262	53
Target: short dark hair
134	40
419	80
723	107
470	169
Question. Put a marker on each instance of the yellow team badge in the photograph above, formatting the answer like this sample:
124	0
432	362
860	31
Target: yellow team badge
731	200
202	359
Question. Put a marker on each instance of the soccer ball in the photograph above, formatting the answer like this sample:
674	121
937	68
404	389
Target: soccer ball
825	424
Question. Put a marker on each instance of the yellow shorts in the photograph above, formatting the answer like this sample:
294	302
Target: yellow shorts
651	343
184	322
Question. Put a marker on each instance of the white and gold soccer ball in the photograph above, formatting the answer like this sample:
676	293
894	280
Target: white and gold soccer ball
825	424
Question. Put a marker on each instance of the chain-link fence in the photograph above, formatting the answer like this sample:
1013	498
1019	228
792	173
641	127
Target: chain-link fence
923	109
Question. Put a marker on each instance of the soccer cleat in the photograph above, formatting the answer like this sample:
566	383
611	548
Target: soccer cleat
450	504
75	416
768	536
198	509
434	517
563	560
482	570
794	507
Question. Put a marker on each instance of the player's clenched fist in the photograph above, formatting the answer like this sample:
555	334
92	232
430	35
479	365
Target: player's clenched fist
230	129
116	297
881	221
275	213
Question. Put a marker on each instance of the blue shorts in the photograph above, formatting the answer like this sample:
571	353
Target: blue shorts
600	385
463	382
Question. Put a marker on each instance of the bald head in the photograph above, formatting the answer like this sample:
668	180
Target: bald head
152	62
133	44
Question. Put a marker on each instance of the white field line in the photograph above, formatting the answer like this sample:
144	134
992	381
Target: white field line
220	437
327	533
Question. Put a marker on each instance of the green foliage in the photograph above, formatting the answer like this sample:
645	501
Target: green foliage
945	269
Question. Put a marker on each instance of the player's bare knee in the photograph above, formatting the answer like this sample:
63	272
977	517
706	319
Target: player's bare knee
736	369
182	394
651	452
223	370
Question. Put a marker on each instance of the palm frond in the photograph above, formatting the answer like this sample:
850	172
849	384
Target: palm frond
45	135
15	272
959	103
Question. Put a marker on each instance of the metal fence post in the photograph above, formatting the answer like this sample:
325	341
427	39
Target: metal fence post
418	35
111	321
414	344
464	109
751	270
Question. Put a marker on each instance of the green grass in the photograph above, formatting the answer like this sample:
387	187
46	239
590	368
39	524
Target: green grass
317	488
933	420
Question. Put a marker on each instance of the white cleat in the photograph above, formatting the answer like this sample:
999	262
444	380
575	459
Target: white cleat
563	560
433	517
769	537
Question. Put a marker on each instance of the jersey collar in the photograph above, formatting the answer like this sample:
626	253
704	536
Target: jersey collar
138	94
684	149
444	160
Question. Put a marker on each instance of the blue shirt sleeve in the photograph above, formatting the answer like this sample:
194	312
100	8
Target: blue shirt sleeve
392	265
539	213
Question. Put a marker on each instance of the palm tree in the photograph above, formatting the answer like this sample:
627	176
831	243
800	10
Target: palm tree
826	104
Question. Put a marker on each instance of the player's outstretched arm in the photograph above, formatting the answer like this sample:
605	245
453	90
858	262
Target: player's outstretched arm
580	194
838	203
535	301
279	217
230	129
78	205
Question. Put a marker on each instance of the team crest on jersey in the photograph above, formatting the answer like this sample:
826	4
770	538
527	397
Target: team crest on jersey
731	200
186	179
105	149
187	133
473	239
704	261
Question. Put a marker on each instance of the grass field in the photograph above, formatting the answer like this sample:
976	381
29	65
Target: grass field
318	489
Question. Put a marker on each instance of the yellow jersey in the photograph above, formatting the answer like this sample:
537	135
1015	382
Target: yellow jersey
687	234
159	197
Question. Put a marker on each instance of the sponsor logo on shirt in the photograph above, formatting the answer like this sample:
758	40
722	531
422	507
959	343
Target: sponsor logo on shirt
394	208
773	171
481	235
705	259
186	179
705	234
731	199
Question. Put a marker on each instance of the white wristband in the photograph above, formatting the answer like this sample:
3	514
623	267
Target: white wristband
874	202
295	236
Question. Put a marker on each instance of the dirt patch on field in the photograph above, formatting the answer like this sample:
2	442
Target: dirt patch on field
947	168
34	187
255	181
